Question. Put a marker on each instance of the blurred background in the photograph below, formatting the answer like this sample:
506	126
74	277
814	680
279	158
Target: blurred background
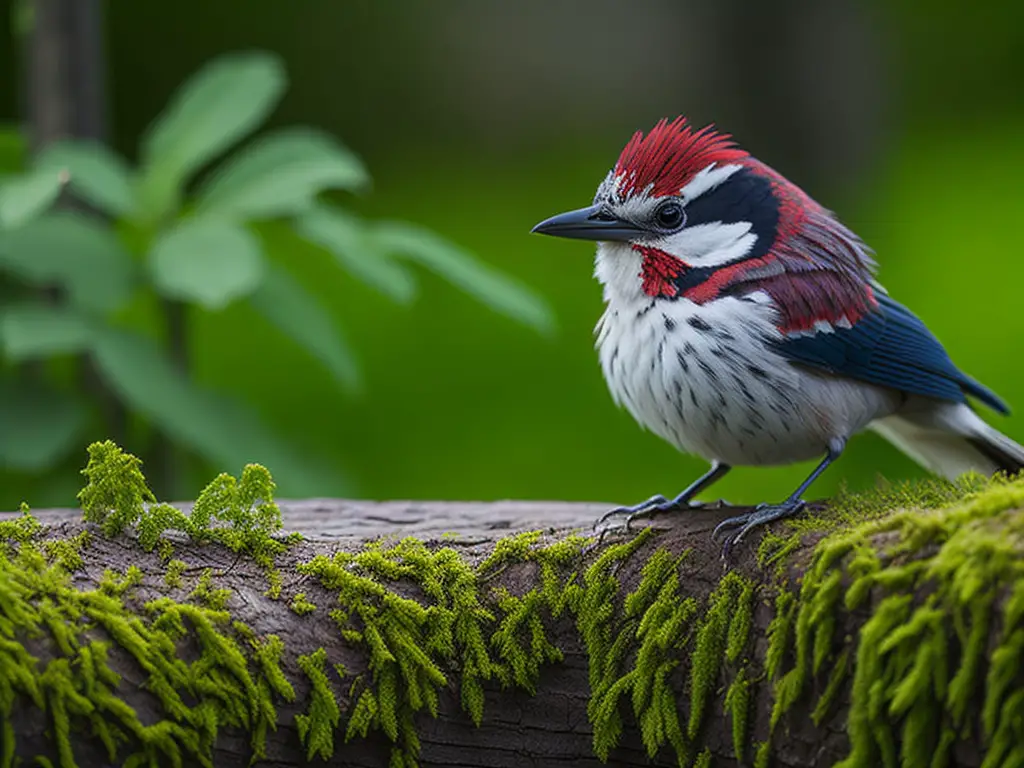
451	356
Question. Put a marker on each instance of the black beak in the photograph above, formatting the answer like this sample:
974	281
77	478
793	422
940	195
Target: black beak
593	223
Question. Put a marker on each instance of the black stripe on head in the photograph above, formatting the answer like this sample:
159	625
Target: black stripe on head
744	196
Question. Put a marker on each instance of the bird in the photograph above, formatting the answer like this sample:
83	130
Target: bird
744	323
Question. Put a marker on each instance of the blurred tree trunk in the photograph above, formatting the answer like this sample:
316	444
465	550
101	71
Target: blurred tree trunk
808	81
66	72
65	97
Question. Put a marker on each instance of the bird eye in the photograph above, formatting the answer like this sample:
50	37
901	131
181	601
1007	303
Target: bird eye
670	216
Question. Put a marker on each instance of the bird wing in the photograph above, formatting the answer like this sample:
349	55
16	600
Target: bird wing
888	346
836	317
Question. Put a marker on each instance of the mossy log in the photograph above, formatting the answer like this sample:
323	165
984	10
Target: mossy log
884	630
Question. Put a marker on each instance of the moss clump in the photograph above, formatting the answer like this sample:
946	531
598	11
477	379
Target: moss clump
317	727
80	690
933	591
408	642
300	605
204	592
234	679
656	621
239	514
175	570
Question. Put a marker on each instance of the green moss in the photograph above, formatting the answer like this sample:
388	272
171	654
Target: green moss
204	592
239	514
67	552
657	619
737	706
406	641
932	591
301	605
231	681
175	570
317	727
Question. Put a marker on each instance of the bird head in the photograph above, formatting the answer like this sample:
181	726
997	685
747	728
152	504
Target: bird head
678	205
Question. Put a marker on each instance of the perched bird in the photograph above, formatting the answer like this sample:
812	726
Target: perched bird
744	324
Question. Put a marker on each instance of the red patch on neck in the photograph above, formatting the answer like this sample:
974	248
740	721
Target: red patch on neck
670	155
659	271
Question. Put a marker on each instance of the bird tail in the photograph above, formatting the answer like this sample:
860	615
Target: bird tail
951	439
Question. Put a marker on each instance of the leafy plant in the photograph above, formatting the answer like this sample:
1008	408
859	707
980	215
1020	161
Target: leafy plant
172	235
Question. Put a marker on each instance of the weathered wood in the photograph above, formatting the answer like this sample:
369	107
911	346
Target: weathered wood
357	519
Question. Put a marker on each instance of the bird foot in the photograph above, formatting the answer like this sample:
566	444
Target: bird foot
652	507
762	514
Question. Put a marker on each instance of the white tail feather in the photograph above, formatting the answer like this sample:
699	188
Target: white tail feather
951	439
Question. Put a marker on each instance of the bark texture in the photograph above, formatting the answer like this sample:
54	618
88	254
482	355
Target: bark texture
550	727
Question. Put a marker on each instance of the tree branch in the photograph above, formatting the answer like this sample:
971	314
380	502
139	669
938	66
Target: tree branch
655	637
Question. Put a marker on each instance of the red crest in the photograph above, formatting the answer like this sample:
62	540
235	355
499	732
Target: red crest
670	155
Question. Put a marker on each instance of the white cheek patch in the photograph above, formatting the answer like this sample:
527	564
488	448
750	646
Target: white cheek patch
711	244
706	180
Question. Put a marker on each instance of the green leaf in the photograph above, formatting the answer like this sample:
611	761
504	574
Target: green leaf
225	101
38	425
500	293
24	197
221	430
75	252
98	175
208	262
12	148
34	330
279	175
288	305
347	239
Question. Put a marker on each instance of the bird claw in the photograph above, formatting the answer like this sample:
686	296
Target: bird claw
760	515
653	506
629	512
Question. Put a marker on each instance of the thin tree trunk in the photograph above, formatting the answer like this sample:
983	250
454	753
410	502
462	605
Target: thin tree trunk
65	98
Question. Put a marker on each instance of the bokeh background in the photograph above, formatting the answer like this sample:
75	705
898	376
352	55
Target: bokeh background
478	119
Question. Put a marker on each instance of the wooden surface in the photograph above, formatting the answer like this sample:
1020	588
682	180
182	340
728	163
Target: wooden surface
344	518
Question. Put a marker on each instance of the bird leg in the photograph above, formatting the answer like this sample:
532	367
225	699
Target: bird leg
766	513
658	503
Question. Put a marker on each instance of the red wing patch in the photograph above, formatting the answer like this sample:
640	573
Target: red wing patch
805	299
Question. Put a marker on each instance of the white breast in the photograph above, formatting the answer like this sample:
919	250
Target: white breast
704	378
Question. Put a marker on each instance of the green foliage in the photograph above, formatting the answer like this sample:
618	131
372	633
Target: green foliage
24	197
182	240
181	268
40	424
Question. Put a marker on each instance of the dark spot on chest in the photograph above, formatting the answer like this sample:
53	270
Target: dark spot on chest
670	324
682	362
698	324
757	371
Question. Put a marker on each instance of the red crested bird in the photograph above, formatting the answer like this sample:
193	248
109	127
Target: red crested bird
744	324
